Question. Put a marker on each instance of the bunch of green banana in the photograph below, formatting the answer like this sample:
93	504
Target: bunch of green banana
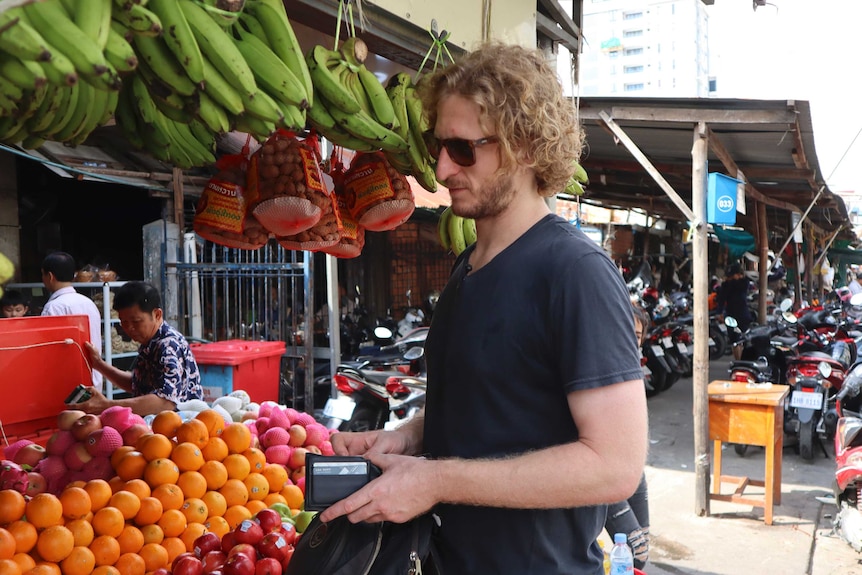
574	186
60	70
7	270
350	106
183	144
411	124
455	232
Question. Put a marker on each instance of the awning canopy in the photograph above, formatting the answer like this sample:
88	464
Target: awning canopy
771	142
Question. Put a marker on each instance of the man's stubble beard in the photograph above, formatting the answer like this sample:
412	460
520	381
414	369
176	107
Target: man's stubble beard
493	198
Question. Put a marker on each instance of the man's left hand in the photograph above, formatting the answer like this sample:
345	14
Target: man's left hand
406	488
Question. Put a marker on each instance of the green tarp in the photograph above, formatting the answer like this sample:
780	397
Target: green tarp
737	242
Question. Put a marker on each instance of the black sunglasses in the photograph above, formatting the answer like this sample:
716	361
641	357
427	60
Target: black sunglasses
462	152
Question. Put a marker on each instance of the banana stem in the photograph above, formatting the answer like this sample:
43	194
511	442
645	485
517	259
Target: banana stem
338	23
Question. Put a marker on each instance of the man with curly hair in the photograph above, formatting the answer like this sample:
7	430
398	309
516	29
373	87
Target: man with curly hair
536	414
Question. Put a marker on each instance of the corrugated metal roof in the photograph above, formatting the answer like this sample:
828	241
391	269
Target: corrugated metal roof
771	141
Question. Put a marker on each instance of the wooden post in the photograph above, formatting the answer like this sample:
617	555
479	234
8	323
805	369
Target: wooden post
763	248
700	287
177	183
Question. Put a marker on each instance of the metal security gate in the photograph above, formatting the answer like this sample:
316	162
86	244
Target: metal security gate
260	295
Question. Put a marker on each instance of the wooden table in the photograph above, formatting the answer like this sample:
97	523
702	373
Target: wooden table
753	416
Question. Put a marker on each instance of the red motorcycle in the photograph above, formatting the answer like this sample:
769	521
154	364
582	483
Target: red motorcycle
848	460
825	353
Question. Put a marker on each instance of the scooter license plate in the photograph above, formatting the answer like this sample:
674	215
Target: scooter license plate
667	342
682	348
339	408
657	350
806	400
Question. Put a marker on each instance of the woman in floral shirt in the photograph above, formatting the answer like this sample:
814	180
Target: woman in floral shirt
164	373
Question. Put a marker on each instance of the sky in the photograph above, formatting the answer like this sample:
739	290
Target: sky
803	50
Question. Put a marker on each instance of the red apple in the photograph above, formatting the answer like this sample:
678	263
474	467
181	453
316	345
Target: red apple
269	519
243	549
161	571
36	484
297	435
180	556
219	571
214	560
268	566
205	543
188	566
68	417
289	532
273	545
84	425
30	455
228	541
248	532
297	458
239	564
134	432
287	559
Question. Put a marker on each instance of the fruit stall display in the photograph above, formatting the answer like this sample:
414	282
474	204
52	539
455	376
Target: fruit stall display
190	492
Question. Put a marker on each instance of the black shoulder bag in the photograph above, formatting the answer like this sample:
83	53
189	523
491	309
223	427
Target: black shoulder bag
344	548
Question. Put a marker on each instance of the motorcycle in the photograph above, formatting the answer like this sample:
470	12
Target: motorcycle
848	460
364	396
817	374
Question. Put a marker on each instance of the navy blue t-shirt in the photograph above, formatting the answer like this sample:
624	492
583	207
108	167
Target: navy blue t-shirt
547	316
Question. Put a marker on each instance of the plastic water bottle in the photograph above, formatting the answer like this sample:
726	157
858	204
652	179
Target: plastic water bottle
622	561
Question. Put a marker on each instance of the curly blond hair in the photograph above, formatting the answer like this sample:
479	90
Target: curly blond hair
521	101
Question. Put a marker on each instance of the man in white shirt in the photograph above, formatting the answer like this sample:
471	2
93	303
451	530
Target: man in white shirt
855	285
58	269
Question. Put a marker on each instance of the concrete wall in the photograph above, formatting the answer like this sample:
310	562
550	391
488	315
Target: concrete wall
10	242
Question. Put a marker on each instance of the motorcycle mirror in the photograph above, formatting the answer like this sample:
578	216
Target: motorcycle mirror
414	353
788	317
730	322
382	332
786	304
856	300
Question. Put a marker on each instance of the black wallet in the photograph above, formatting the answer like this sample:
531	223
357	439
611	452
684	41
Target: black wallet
331	478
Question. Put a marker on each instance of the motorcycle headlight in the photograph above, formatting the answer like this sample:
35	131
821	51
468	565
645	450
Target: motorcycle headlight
824	369
855	460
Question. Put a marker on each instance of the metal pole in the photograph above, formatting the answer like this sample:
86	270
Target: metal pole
334	317
308	264
700	287
763	245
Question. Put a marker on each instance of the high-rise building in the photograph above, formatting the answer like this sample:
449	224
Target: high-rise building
656	48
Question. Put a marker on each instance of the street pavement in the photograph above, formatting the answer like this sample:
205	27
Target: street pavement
733	539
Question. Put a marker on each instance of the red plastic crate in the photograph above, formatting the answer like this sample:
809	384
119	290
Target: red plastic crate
227	366
39	371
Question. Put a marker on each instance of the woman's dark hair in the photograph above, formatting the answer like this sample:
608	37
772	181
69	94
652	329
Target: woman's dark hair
143	294
61	264
641	316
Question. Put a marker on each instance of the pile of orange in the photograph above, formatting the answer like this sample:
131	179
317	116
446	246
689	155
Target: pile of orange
174	484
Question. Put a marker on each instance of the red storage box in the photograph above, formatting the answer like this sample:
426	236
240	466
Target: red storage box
227	366
41	361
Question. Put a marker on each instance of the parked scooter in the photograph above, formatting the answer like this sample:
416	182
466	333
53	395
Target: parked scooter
848	460
363	401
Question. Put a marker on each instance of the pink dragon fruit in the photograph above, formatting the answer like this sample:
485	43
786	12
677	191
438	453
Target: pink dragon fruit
13	476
